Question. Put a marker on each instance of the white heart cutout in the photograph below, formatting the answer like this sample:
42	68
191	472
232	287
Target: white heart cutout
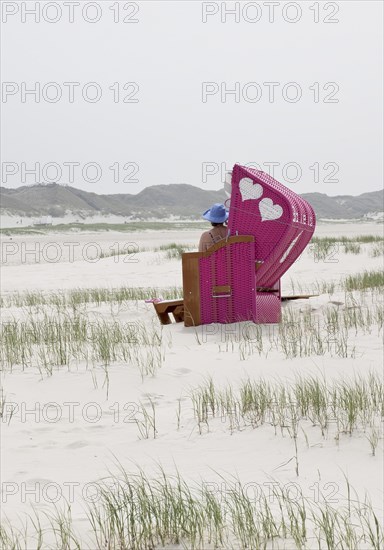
269	211
249	190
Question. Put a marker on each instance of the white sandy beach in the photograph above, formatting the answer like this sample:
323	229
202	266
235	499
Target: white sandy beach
70	428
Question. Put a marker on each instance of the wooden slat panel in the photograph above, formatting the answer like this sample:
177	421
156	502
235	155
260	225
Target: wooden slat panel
221	244
167	305
191	288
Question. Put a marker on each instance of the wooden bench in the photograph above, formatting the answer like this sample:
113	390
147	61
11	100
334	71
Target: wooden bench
165	307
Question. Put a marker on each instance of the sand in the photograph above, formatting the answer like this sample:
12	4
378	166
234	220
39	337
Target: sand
71	428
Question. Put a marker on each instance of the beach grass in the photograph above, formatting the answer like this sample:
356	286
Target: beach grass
134	511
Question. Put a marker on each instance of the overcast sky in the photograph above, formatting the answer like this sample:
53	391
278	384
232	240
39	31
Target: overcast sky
319	120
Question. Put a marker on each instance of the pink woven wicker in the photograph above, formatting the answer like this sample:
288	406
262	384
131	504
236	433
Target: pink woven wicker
281	221
268	308
233	266
304	216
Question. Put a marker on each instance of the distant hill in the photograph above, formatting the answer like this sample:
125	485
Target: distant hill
160	201
346	206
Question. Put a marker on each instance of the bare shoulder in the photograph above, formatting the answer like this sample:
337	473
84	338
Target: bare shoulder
205	241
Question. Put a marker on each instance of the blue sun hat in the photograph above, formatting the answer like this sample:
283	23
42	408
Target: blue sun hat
216	214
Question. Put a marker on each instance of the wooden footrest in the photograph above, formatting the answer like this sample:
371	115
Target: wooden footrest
176	307
165	307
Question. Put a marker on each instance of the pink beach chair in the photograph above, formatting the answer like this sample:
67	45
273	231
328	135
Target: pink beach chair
238	279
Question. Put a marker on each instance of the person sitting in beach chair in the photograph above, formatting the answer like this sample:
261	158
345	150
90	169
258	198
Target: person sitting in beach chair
217	215
236	274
